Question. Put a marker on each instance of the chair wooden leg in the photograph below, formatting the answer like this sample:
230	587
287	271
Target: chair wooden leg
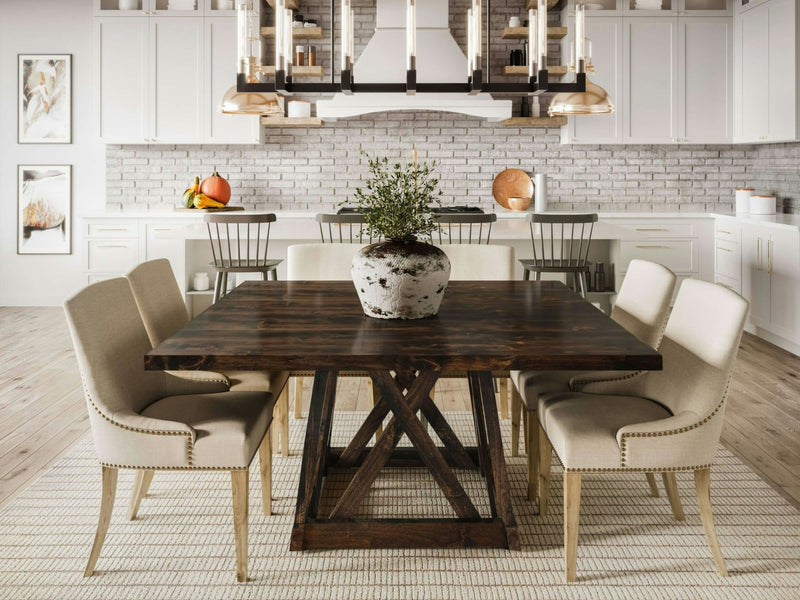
376	397
239	487
265	464
671	486
525	424
516	415
218	286
298	397
572	512
502	383
702	484
276	422
284	422
224	289
140	487
106	507
651	481
545	457
532	441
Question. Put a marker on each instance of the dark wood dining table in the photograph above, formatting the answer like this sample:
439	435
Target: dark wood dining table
482	327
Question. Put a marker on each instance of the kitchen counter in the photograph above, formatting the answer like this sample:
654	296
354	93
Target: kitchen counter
779	221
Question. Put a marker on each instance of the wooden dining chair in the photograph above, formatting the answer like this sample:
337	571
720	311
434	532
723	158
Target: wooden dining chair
467	228
655	421
344	228
560	244
642	307
153	420
239	244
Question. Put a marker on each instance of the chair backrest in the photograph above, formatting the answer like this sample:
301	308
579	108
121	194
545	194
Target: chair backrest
463	228
699	350
110	343
473	262
239	238
346	228
320	262
563	239
642	304
159	299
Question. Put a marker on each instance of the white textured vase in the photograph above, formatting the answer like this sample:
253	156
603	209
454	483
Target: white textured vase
400	280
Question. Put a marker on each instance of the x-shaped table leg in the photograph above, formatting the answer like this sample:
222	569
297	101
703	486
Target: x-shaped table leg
404	421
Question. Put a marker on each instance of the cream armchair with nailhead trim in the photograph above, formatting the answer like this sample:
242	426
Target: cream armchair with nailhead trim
658	421
138	421
641	307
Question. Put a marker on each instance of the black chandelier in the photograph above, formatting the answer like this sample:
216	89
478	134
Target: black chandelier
537	82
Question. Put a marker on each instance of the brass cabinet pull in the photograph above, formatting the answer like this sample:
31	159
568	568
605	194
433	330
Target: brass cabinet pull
111	229
112	245
723	231
651	229
769	256
651	246
723	249
758	254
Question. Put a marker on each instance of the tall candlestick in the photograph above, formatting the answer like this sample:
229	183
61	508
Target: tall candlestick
533	46
279	43
470	44
345	32
411	35
580	36
542	35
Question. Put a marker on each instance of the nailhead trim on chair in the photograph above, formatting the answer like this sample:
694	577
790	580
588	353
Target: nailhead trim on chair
700	423
189	445
604	380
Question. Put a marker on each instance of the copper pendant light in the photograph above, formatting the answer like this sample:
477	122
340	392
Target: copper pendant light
250	103
594	101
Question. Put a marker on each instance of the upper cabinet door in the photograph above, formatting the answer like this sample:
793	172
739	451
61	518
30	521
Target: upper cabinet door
753	75
606	36
121	57
221	65
177	76
782	40
651	79
705	104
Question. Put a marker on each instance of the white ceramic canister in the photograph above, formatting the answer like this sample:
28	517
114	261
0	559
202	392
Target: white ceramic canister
201	282
298	109
763	205
540	193
743	200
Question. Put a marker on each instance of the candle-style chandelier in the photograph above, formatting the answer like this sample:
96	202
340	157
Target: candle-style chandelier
252	73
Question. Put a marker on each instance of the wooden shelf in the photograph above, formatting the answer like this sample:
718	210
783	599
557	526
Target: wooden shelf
291	122
298	71
535	122
295	4
535	4
522	71
521	33
298	33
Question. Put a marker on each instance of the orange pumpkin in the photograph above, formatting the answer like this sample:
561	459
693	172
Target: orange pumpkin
216	187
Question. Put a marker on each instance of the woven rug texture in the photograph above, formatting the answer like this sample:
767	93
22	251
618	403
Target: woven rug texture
181	546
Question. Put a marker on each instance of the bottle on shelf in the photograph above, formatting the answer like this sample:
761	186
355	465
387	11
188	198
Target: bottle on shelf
599	278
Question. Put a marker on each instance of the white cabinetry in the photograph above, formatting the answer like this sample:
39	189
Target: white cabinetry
769	267
160	79
650	81
766	58
670	78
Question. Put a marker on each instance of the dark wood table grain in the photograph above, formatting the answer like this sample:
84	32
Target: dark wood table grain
481	327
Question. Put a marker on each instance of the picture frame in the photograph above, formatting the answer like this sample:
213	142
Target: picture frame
44	209
44	98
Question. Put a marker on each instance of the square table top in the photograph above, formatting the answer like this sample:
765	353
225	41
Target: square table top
481	326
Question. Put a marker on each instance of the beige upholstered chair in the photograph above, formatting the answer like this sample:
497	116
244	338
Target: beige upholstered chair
151	420
656	421
642	307
164	312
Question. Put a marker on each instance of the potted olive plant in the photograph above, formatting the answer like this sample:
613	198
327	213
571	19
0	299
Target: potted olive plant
401	277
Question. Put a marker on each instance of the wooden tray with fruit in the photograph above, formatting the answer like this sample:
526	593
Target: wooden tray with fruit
211	195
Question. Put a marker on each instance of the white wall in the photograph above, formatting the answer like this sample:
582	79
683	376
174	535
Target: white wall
44	27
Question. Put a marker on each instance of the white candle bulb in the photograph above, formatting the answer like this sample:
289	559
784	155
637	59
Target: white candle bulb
411	34
580	35
532	44
470	44
542	35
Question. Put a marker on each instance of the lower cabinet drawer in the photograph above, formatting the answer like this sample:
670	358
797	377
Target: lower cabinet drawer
727	259
677	255
724	229
114	256
731	284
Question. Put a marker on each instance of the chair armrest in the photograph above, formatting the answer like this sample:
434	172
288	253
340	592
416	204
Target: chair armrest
612	383
147	425
195	382
683	441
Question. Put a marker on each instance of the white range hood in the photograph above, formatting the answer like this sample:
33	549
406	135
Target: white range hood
439	60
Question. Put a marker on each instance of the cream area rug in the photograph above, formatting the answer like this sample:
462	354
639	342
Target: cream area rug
181	546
